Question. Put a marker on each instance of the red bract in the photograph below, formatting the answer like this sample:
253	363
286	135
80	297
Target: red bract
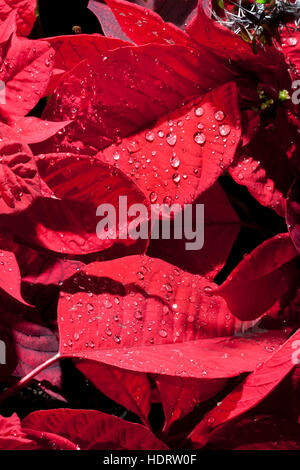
25	70
155	319
91	430
255	388
253	166
19	181
10	278
12	437
184	11
183	153
65	220
249	290
166	116
25	14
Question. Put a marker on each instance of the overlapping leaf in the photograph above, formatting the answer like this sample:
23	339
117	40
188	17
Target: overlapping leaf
264	277
65	221
92	430
25	14
145	316
250	392
25	68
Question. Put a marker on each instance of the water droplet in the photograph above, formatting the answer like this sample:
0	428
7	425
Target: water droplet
171	138
116	155
107	303
160	134
153	197
167	201
132	146
224	129
208	290
175	162
117	339
199	111
163	333
199	138
168	287
140	275
149	136
176	178
219	115
292	41
138	315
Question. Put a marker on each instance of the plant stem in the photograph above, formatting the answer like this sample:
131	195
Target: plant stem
27	378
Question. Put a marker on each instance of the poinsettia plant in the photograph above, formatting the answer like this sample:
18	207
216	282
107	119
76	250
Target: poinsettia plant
110	341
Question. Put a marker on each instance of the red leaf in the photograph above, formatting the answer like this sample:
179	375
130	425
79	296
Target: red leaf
71	50
250	392
67	222
28	343
175	160
184	11
267	63
10	278
93	430
25	69
127	388
220	231
250	290
103	113
143	315
143	26
293	213
255	168
25	14
179	396
19	179
12	437
32	130
109	24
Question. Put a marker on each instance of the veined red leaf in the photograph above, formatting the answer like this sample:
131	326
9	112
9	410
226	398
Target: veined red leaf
255	169
152	80
143	315
25	70
129	389
179	395
251	391
183	153
180	16
66	222
25	14
250	290
107	20
19	179
144	26
71	50
10	277
12	437
93	430
32	130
